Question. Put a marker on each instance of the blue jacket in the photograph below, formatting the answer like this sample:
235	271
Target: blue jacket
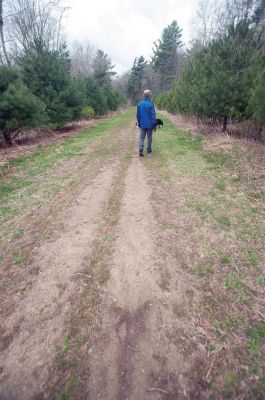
146	114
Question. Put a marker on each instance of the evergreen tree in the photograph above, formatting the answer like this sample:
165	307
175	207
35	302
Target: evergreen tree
94	96
165	57
103	68
47	74
76	97
19	108
217	82
136	79
133	81
257	99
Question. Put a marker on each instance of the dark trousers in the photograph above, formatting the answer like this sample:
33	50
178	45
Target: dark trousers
143	134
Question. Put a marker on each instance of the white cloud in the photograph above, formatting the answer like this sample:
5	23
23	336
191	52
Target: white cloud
126	29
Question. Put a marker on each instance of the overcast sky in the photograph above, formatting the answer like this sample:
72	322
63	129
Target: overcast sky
125	29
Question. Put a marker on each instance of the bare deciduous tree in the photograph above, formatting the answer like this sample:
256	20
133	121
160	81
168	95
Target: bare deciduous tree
209	22
82	58
239	9
34	23
3	52
259	21
213	18
120	83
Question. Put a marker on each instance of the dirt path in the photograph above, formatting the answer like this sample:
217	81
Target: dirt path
129	356
119	307
32	331
126	359
40	317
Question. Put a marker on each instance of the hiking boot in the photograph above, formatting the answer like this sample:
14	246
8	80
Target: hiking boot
141	152
149	151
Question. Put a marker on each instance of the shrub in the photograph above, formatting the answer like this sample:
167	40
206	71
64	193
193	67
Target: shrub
88	112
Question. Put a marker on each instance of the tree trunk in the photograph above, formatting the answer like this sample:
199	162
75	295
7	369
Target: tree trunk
2	39
8	139
225	124
259	133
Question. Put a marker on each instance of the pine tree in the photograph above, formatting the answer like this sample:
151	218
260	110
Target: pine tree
165	58
136	79
217	82
257	99
94	96
103	68
19	109
47	74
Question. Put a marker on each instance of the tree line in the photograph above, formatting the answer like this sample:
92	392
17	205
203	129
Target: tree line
161	71
221	77
41	82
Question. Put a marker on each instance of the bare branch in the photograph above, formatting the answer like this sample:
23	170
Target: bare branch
82	58
35	23
2	38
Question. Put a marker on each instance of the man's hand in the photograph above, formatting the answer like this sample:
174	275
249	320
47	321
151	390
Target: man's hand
154	128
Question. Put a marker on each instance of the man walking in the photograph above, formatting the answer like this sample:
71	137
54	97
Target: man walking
146	118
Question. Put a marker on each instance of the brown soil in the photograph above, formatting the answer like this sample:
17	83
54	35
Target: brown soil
138	328
132	354
39	318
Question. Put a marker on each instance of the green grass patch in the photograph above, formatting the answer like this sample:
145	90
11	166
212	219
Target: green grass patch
188	153
19	257
21	260
220	186
67	394
18	234
18	288
231	281
256	337
223	221
218	160
172	144
107	238
26	178
253	256
225	259
228	324
204	268
260	281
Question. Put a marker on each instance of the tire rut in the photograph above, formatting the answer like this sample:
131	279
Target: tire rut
39	319
38	323
42	219
131	354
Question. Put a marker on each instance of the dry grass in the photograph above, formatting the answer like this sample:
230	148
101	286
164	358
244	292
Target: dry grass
238	142
211	214
249	155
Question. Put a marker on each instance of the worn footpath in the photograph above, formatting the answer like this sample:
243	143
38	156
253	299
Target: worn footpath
124	303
